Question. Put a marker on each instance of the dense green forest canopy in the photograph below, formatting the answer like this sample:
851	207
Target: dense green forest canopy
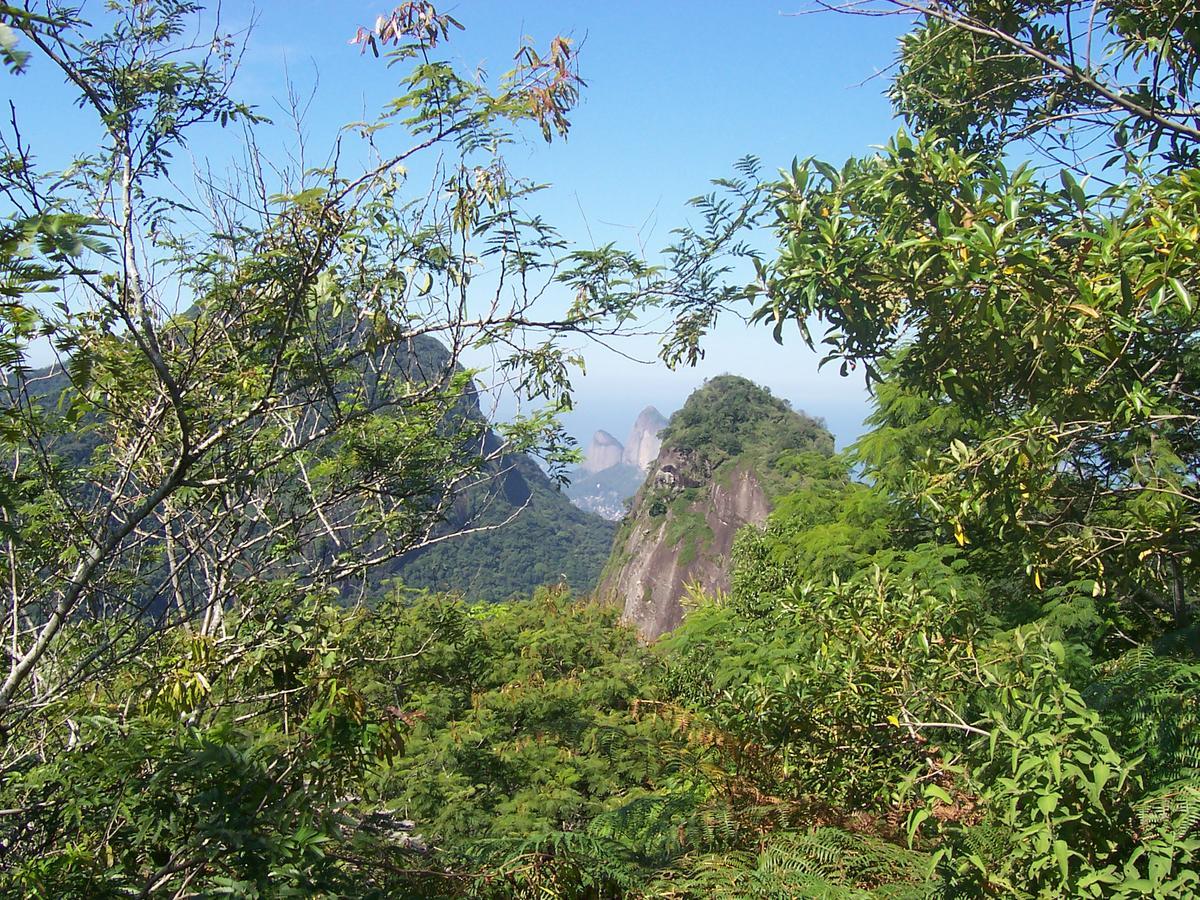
511	546
959	660
730	414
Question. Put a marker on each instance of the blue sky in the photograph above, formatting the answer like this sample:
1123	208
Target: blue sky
676	93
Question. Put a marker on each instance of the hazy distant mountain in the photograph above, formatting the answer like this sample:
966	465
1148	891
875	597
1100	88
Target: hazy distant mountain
644	442
611	473
604	452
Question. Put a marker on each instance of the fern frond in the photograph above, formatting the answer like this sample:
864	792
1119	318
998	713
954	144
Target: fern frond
822	862
1151	706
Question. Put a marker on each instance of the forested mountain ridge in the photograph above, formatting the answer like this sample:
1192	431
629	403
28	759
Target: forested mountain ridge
525	534
725	455
544	538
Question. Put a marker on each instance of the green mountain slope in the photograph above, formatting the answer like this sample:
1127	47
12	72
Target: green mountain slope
534	536
503	536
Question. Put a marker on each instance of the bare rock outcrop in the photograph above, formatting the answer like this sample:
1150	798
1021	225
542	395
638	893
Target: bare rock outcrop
661	553
604	452
644	442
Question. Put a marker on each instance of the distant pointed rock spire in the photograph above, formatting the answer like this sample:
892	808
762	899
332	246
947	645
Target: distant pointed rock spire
644	443
604	452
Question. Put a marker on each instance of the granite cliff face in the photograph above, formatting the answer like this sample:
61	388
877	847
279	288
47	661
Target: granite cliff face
724	456
644	442
604	452
689	543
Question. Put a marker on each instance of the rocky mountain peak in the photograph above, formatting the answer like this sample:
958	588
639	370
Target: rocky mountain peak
644	442
722	461
604	452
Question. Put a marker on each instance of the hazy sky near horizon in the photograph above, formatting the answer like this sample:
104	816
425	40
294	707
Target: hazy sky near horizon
676	93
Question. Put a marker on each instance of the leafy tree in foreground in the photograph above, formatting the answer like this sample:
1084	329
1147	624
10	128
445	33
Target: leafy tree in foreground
1061	326
183	710
1083	83
1033	347
293	416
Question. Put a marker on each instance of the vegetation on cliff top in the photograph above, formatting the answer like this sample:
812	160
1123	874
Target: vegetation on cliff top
728	424
730	416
